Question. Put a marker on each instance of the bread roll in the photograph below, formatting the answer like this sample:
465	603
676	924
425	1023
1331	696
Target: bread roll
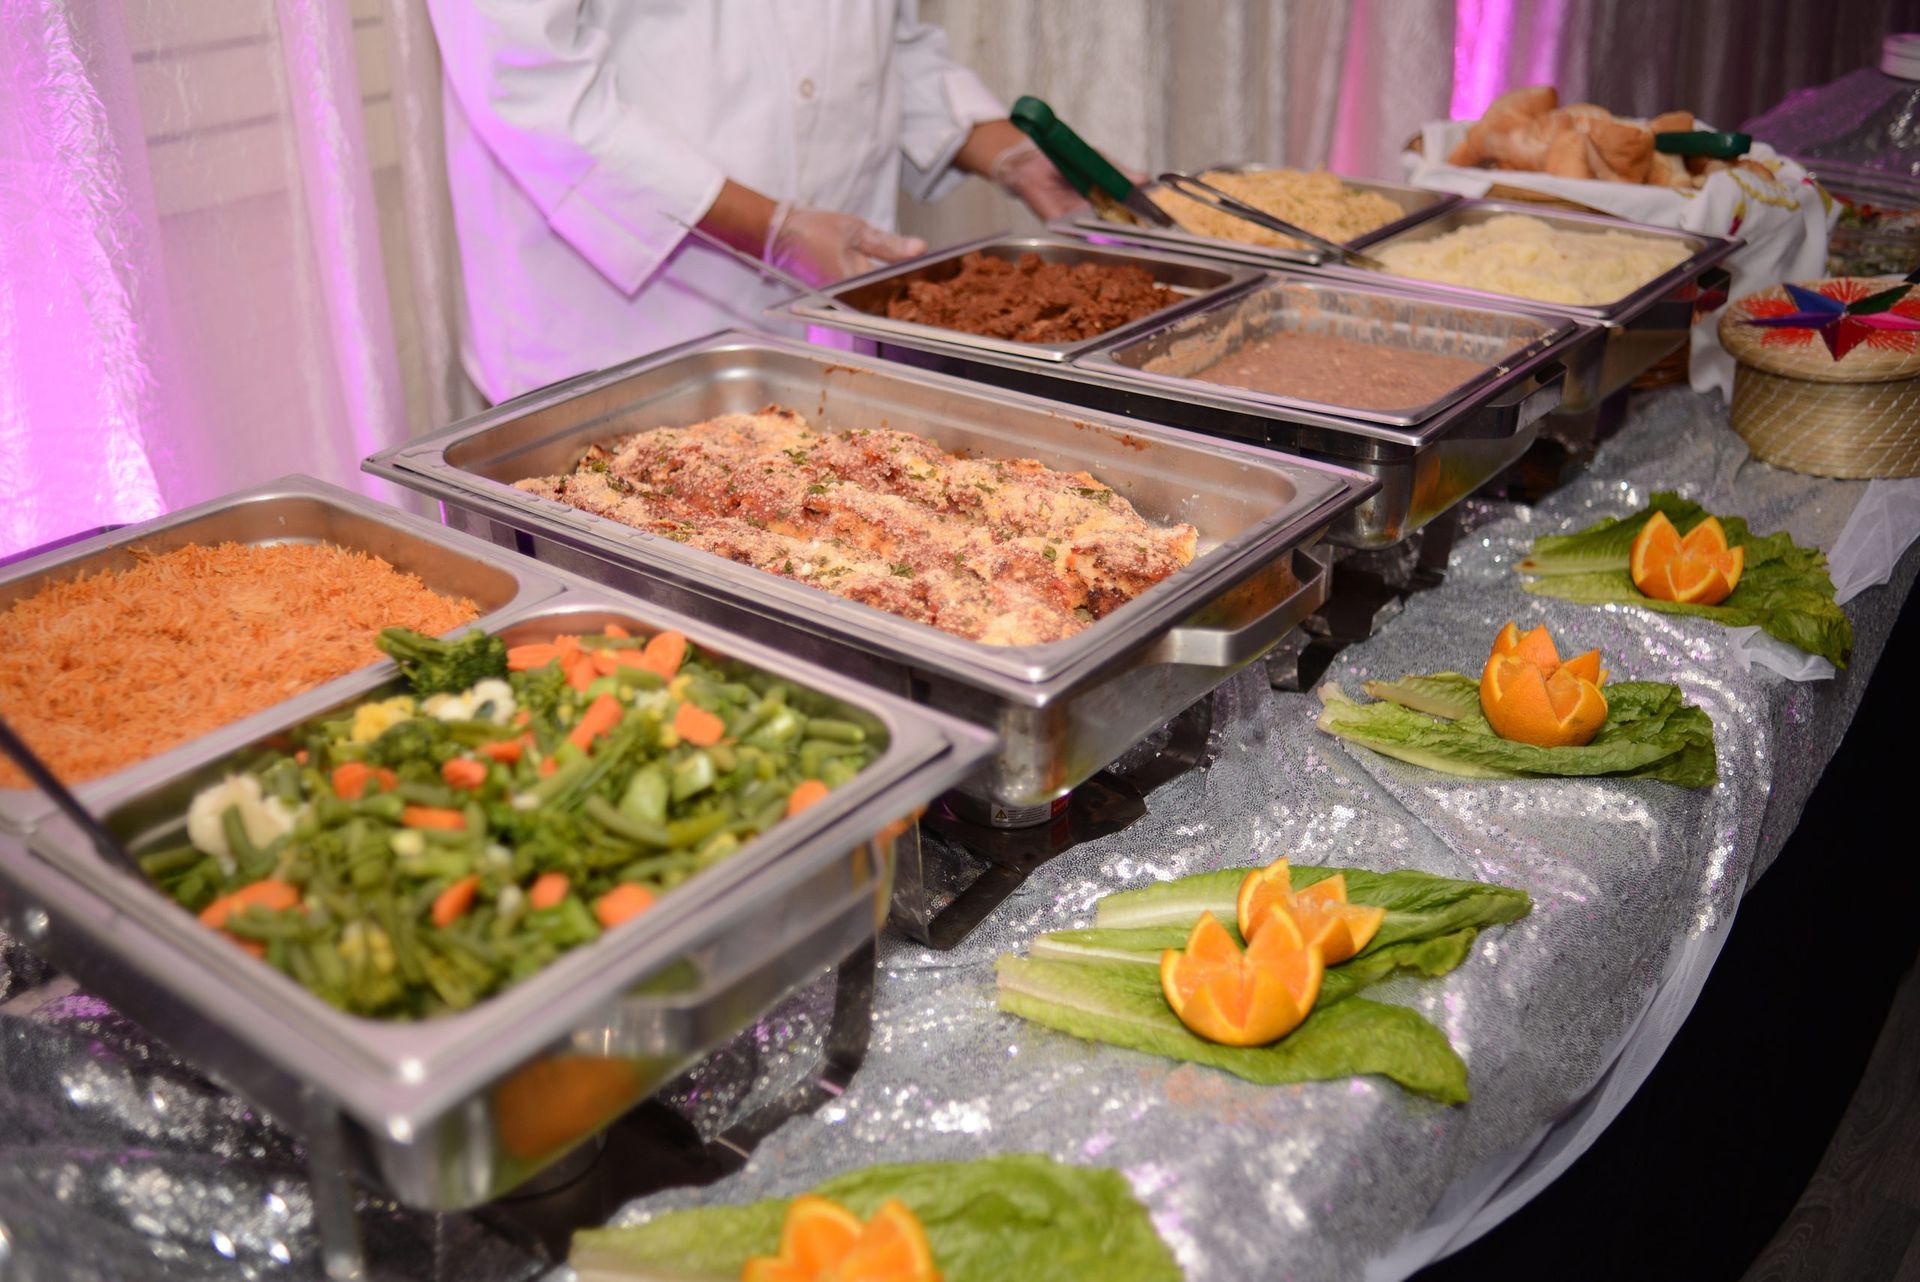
1567	155
1672	122
1668	171
1619	151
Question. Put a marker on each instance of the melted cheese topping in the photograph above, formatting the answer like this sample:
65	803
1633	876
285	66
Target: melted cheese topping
1005	551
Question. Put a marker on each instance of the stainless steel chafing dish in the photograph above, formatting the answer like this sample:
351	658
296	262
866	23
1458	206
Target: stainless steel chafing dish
867	297
1417	203
1641	328
1426	459
1063	710
295	509
460	1109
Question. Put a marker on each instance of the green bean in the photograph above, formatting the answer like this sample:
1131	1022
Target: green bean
256	923
449	864
782	727
438	796
327	963
388	806
639	678
239	845
300	965
174	859
835	729
696	828
718	847
560	781
644	834
653	866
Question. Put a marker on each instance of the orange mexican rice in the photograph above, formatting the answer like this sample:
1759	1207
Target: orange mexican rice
97	673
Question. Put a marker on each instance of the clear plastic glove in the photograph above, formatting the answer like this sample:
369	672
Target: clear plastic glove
1023	170
822	246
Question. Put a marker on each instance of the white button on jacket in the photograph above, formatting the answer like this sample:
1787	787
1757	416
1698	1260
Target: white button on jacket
574	127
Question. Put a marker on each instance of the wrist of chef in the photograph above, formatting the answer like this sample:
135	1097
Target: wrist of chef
1023	171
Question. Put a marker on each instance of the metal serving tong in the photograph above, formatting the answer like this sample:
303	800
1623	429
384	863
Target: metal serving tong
44	779
1111	193
1212	197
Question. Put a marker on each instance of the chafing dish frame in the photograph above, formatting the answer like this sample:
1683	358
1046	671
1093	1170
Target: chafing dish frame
1062	710
293	509
410	1103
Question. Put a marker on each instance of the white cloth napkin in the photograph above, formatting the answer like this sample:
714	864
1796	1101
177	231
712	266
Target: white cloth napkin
1883	525
1784	223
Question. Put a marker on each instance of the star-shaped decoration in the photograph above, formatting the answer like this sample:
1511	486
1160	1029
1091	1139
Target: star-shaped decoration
1841	324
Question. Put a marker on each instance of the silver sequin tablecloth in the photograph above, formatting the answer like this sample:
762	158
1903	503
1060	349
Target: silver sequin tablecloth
116	1162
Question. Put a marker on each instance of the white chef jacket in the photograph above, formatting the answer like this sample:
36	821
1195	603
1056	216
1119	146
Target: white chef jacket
574	127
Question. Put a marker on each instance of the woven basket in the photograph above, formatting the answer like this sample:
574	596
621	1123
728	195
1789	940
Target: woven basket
1798	408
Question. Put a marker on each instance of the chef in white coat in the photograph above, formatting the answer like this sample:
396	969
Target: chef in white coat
579	130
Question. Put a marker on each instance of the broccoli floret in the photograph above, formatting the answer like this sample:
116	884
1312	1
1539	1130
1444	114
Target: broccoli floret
433	666
415	739
540	691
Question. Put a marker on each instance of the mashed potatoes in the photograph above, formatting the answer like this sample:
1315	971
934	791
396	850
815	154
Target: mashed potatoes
1525	257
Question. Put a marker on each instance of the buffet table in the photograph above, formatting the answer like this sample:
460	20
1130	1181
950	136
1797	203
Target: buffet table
112	1153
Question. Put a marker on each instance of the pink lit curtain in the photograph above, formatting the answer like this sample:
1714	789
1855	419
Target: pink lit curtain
224	250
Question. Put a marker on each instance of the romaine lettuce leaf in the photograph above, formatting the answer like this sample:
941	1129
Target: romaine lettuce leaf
1121	1004
1419	905
1784	590
1103	983
1019	1216
1651	733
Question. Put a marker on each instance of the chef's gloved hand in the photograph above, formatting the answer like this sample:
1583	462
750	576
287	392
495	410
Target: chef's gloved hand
823	245
1023	170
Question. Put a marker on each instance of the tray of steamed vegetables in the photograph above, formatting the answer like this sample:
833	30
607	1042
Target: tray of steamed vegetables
573	852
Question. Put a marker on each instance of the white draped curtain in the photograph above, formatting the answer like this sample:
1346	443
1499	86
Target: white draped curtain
226	252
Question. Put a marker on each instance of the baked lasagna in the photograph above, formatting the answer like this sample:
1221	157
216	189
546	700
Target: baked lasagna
1003	551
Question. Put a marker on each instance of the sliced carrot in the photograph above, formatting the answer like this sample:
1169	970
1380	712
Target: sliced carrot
301	756
433	817
629	658
580	673
604	663
568	648
809	792
525	658
622	904
549	888
602	715
274	896
464	772
252	947
522	717
350	779
388	780
617	632
547	767
451	904
698	726
666	651
505	751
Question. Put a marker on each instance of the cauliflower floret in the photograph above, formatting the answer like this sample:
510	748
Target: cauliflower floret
263	818
489	700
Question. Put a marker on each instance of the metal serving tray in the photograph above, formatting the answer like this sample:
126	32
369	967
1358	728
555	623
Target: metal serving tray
1426	457
1418	203
1642	328
294	509
866	298
1062	710
1424	464
434	1110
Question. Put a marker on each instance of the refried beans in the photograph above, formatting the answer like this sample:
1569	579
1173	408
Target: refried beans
1341	371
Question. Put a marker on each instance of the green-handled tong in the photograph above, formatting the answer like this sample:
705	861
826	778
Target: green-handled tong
1111	192
1704	142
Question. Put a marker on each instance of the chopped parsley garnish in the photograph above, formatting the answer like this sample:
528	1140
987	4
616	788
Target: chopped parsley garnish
816	488
1049	551
787	568
982	485
1098	496
619	484
903	571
